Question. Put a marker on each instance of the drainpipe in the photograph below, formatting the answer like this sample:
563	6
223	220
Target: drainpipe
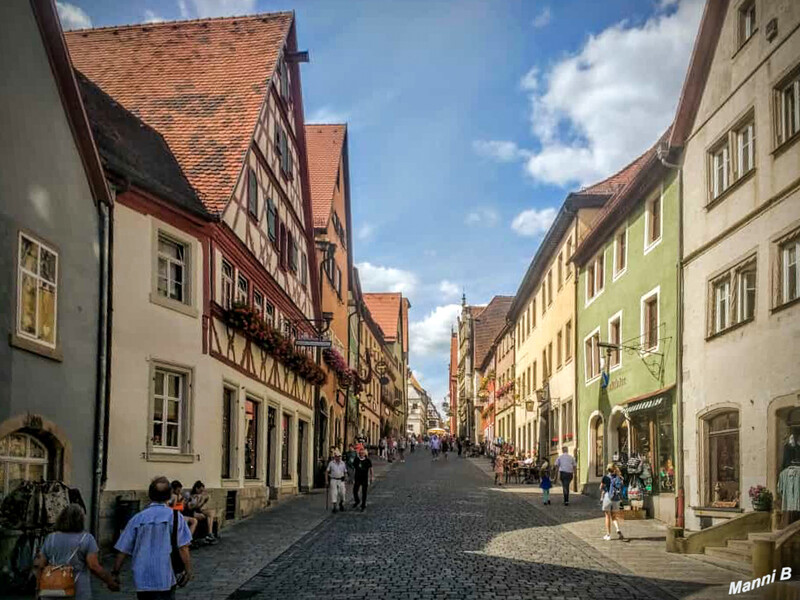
680	501
102	394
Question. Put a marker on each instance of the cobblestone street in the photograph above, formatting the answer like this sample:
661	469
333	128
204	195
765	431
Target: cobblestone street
440	530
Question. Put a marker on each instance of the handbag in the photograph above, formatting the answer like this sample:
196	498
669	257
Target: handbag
58	581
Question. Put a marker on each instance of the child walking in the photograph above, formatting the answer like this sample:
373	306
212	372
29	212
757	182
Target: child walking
546	484
498	469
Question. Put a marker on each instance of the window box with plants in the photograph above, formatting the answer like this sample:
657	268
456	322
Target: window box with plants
249	323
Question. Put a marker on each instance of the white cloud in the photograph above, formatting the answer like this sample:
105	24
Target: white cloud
215	8
593	112
606	104
500	150
365	231
543	18
72	17
530	81
448	289
375	278
328	115
533	222
482	216
152	17
432	334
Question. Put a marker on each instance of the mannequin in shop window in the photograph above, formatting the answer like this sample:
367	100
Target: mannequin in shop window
789	478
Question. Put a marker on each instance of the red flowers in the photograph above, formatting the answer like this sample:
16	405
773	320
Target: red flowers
505	389
247	320
346	376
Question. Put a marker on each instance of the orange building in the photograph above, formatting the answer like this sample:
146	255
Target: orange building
330	199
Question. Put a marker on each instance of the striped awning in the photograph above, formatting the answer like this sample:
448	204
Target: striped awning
648	404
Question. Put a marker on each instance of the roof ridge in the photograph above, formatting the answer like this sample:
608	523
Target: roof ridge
615	174
172	23
326	124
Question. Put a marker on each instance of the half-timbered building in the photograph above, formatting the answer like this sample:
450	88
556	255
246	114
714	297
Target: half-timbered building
207	382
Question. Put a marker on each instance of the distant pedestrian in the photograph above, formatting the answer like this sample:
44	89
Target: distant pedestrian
74	547
565	465
401	449
362	479
445	447
148	540
611	490
545	484
336	474
382	447
498	469
459	445
435	446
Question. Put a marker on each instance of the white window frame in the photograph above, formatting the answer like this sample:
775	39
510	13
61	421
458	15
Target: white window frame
793	83
184	264
656	291
591	379
227	286
615	317
25	461
599	287
185	410
784	251
741	299
38	280
242	293
747	22
747	129
721	295
649	246
620	272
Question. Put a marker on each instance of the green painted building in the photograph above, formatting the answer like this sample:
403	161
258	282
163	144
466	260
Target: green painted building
627	335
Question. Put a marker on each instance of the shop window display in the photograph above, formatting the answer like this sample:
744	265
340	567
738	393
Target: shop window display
788	485
652	450
723	459
598	449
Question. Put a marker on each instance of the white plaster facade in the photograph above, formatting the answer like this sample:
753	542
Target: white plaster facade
750	367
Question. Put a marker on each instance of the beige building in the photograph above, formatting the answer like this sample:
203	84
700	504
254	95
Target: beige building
543	321
738	124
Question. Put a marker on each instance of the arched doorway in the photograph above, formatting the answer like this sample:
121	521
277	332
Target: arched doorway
618	436
596	446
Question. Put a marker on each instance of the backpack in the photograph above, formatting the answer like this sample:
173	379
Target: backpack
615	489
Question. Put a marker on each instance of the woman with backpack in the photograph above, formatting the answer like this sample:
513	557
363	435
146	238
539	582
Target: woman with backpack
611	494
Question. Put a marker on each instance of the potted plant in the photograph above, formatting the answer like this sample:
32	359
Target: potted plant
761	498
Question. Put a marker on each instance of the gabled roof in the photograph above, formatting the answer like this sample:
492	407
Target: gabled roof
64	76
648	166
385	310
131	149
705	45
201	84
592	196
491	320
324	145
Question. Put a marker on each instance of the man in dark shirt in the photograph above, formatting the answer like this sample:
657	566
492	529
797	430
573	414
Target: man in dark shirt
362	477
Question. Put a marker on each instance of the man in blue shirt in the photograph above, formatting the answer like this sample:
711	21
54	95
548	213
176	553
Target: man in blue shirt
147	539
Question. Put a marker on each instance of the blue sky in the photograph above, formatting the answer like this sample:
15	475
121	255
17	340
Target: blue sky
470	121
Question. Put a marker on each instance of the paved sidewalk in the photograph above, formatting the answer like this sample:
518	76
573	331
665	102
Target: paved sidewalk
247	546
644	551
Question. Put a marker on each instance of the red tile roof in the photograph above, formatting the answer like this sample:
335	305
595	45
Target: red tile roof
491	320
611	185
200	84
385	310
324	145
640	174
